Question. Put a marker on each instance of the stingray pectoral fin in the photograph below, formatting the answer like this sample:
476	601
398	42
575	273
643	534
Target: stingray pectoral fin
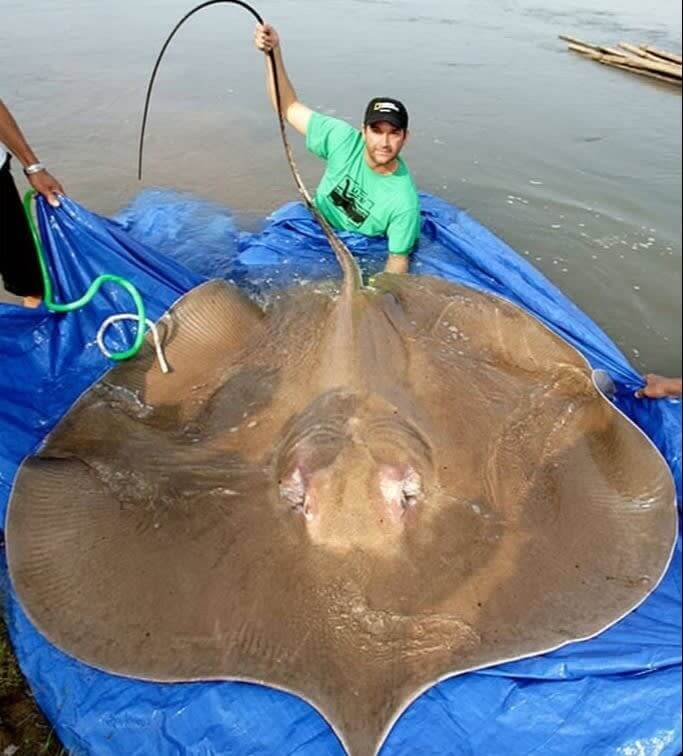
471	323
59	518
202	334
153	583
590	521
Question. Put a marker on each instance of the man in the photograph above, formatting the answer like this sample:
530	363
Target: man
19	268
367	187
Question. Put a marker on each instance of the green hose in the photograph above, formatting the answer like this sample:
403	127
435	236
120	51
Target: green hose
90	293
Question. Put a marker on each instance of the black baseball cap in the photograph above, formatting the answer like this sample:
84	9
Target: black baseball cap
387	109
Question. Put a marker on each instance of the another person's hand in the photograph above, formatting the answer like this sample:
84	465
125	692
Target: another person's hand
266	38
659	387
47	185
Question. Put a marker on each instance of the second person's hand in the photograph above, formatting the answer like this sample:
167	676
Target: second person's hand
47	185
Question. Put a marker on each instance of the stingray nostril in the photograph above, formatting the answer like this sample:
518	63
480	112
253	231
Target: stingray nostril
294	493
412	483
293	489
411	489
401	488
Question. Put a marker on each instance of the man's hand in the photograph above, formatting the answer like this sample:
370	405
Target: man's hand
47	185
658	387
397	264
266	38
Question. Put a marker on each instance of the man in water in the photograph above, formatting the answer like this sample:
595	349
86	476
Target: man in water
367	187
19	268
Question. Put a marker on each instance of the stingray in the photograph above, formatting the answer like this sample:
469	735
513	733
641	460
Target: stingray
349	494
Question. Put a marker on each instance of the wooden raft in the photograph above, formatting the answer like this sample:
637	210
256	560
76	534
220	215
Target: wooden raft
644	60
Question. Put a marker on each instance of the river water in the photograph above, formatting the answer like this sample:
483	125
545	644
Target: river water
576	165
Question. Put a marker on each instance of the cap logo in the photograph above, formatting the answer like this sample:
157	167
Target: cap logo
382	106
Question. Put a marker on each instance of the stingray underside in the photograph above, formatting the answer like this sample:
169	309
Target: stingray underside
150	537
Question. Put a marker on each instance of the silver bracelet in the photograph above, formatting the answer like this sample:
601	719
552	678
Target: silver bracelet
34	168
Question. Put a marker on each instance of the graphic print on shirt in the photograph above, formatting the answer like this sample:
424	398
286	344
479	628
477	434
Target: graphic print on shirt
350	198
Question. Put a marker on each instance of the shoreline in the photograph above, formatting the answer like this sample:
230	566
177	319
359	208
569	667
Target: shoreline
23	727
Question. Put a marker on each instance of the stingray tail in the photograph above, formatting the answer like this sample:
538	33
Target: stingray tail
353	278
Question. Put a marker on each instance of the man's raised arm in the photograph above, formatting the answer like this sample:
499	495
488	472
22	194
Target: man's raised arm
297	115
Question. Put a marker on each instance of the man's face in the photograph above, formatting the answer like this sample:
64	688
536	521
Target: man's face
384	142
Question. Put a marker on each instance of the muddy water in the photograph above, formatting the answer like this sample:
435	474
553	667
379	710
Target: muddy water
577	166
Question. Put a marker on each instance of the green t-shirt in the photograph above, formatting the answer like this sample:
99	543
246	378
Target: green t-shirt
353	197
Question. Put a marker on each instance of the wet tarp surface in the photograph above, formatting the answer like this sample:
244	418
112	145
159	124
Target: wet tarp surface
618	693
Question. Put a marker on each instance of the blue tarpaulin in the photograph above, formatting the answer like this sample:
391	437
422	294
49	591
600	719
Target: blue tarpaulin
618	693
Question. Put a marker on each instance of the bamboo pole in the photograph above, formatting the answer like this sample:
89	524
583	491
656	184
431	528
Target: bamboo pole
651	74
597	48
634	49
587	51
663	54
669	69
641	52
575	41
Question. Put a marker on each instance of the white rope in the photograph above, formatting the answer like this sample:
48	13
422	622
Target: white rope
152	327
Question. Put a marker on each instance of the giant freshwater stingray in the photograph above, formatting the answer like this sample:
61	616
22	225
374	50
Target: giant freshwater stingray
350	495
